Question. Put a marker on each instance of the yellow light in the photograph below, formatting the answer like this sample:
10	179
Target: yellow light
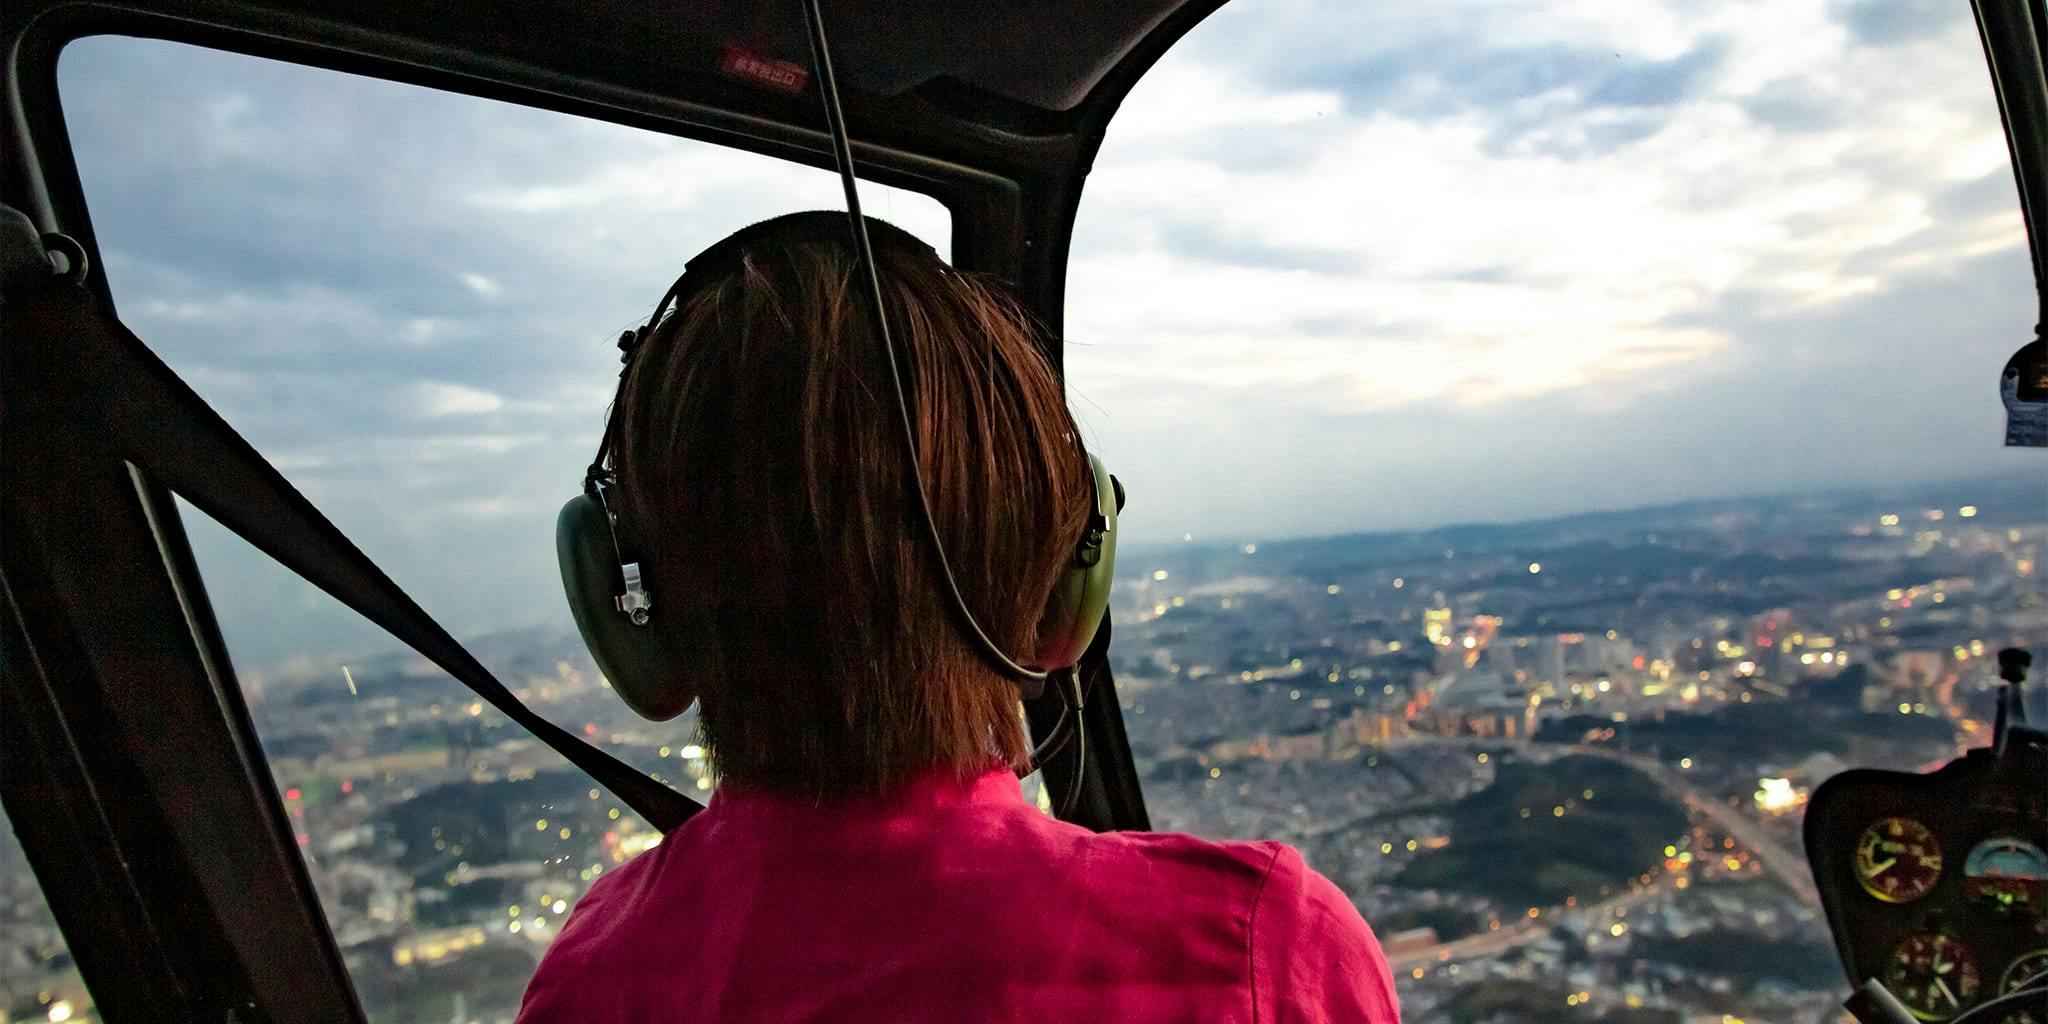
1670	851
1557	812
1617	929
1215	773
614	814
1535	567
1411	846
560	905
1386	847
1158	574
540	825
1967	511
1685	762
1399	583
664	751
1482	759
1887	520
689	750
1332	588
60	1011
1905	709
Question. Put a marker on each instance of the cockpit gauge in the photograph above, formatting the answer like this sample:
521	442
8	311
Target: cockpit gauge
1898	860
2026	968
1932	973
2006	873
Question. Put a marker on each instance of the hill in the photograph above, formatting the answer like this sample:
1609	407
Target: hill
1523	841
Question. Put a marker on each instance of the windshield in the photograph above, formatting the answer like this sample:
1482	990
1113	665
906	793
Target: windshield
1557	439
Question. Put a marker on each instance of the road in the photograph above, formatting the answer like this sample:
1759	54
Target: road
1522	932
1787	866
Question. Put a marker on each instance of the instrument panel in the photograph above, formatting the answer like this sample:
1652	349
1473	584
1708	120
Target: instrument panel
1937	884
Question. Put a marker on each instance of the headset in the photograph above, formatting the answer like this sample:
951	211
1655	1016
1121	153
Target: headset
607	589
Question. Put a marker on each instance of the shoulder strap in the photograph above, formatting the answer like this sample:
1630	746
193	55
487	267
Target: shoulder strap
153	420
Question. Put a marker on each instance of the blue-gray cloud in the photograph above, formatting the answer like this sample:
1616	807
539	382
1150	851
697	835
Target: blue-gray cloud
1794	104
1891	22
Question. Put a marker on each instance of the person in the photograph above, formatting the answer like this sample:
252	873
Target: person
868	855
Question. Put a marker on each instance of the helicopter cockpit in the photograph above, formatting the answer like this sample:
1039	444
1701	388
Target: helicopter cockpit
306	328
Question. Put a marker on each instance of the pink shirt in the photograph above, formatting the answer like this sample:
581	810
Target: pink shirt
955	902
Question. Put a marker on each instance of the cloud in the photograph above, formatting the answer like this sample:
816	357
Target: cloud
1505	246
1890	22
438	398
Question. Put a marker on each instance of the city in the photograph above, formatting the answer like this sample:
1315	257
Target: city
1437	719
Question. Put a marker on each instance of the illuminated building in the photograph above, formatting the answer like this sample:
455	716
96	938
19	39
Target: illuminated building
1436	626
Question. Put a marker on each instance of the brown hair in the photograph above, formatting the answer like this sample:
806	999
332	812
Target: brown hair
765	484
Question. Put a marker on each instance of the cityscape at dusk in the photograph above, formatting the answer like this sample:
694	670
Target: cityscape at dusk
1437	719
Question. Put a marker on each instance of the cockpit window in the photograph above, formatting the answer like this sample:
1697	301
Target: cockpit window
1557	439
408	301
38	980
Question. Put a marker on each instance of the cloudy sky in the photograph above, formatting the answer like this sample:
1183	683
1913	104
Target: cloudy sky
1340	266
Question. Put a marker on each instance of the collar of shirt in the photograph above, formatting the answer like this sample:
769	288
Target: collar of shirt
931	792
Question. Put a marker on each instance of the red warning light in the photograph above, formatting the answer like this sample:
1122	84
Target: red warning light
347	786
779	75
292	793
590	728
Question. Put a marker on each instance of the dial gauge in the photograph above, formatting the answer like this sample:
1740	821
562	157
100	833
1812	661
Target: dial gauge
1898	860
2006	873
1932	973
2026	968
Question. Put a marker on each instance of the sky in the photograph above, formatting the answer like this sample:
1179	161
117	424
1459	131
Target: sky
1338	267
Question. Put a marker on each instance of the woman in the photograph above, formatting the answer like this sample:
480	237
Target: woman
867	855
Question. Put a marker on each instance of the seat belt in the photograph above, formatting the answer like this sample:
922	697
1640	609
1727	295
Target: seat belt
146	415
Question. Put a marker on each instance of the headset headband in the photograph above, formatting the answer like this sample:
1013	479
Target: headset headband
805	227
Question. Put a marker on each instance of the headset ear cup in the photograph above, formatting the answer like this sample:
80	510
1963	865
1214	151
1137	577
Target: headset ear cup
1081	597
647	666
